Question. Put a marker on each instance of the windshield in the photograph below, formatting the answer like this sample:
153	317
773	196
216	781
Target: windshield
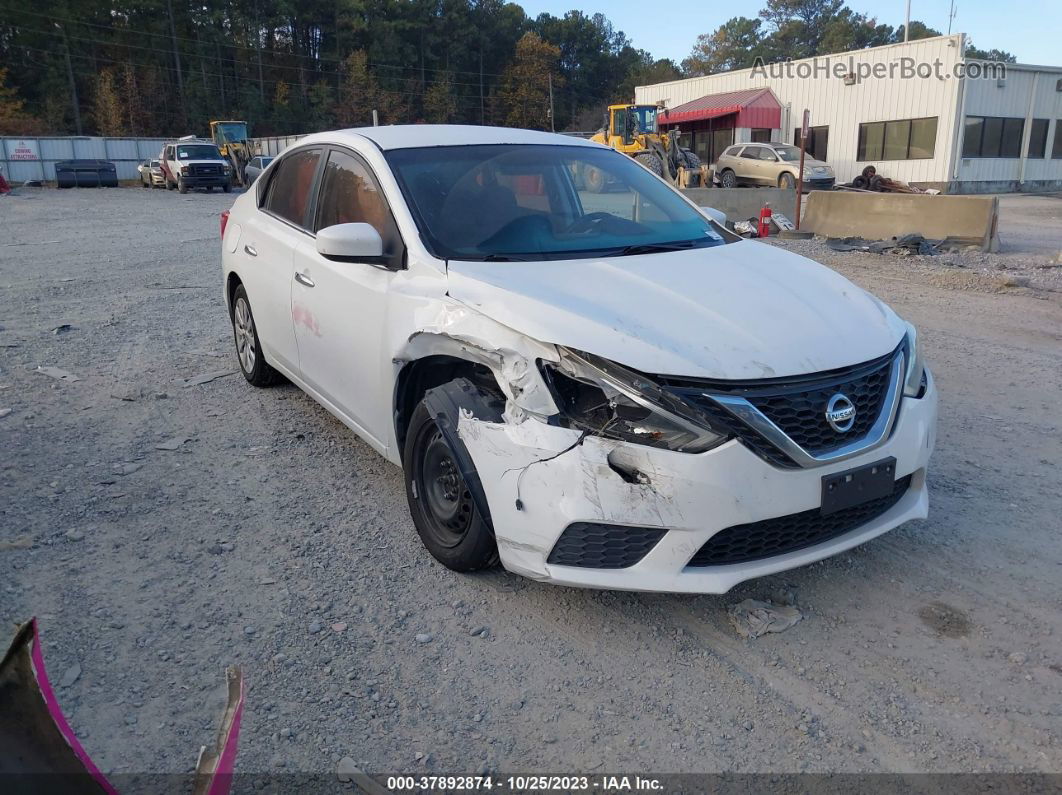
788	153
646	118
198	152
533	202
232	130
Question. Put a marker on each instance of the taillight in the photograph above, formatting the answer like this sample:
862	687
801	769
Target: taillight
224	222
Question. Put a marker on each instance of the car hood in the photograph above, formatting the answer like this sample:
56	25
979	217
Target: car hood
745	310
810	162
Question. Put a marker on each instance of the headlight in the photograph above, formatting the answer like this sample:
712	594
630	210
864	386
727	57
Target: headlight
185	169
606	399
913	381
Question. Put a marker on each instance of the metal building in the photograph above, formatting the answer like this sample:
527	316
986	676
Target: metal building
918	111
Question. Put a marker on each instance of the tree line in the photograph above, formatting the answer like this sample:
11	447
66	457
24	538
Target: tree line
160	67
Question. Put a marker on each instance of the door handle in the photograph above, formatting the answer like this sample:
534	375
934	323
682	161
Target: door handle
303	279
251	250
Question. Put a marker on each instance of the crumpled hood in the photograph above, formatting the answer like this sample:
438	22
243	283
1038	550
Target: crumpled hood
745	310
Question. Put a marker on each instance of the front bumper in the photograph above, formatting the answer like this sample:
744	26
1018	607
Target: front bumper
205	180
539	479
818	183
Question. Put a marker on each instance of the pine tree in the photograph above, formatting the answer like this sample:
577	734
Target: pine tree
524	95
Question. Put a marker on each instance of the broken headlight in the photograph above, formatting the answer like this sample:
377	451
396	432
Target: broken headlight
914	382
603	398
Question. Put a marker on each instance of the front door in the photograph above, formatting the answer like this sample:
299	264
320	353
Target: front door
340	308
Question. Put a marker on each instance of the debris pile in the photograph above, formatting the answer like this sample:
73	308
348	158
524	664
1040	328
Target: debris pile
904	246
873	182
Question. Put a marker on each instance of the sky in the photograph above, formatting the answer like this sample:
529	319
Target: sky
1029	29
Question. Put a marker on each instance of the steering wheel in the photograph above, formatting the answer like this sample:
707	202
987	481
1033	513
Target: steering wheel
588	222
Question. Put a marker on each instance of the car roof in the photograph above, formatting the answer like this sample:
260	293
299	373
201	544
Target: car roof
409	136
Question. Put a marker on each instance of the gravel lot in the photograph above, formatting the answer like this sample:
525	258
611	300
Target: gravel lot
161	531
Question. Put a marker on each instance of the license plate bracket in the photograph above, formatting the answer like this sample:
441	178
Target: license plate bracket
856	486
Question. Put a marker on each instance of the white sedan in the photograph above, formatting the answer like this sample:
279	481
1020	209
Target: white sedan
596	389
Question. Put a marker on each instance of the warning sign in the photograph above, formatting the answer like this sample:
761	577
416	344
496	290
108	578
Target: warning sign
23	150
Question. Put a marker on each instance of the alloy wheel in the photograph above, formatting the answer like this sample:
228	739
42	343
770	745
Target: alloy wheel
243	324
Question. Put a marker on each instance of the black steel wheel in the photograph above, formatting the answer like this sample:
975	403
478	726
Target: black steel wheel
440	501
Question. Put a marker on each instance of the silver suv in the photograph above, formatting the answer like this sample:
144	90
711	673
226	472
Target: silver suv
773	164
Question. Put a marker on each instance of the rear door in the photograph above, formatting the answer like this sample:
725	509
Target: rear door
340	308
267	249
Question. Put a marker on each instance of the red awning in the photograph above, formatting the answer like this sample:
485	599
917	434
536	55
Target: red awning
756	107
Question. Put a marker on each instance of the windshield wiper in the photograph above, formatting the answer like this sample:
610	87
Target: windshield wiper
654	248
501	258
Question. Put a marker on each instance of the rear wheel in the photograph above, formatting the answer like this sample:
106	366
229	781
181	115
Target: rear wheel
253	364
728	179
651	162
440	501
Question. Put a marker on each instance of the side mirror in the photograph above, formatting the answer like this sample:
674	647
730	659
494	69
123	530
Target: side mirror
716	215
350	243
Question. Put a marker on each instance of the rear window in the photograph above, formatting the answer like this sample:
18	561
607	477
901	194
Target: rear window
289	190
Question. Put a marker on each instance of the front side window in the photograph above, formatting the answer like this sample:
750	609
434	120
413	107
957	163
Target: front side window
645	119
902	139
198	152
288	195
349	195
535	202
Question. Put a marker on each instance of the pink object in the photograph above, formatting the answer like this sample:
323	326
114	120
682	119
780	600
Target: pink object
52	703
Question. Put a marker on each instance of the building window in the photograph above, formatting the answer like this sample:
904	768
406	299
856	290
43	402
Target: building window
761	135
1056	148
1038	139
991	136
818	141
903	139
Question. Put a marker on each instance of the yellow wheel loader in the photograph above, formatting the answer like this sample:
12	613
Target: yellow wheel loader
230	137
632	129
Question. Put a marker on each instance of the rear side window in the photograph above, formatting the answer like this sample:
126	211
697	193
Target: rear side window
349	195
289	189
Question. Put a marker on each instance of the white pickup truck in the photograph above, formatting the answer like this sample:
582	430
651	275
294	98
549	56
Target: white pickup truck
192	162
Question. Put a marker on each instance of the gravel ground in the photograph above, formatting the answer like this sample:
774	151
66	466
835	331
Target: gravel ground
162	530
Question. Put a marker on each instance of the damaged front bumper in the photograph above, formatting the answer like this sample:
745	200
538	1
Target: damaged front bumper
541	479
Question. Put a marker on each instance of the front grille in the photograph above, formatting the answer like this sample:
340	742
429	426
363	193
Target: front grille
603	546
770	537
797	405
205	170
801	413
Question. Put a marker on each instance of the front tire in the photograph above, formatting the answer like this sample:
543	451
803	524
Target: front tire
651	162
253	364
181	186
786	181
444	512
227	187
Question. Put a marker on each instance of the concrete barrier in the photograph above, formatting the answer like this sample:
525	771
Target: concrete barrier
740	204
877	216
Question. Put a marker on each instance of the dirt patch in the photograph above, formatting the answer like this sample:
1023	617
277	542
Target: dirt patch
945	620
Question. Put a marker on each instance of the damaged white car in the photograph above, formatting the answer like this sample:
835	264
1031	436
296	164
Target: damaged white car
586	379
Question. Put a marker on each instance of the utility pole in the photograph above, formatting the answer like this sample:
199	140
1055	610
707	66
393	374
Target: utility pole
907	23
73	85
951	16
177	61
552	124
